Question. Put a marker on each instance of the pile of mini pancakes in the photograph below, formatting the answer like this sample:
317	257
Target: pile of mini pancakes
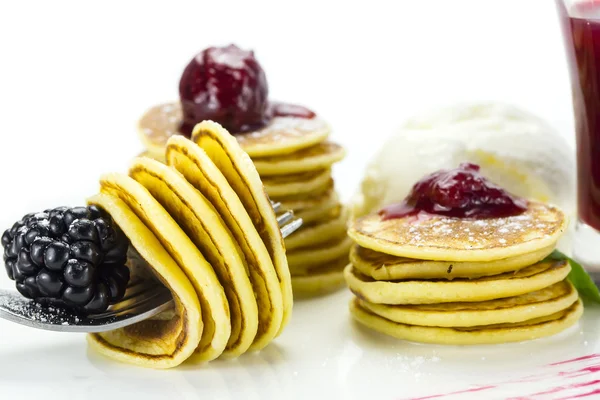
462	281
201	224
294	160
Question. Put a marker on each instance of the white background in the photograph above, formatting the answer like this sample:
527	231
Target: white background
75	76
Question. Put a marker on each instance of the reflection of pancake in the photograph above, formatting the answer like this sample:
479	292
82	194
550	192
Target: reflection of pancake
321	279
238	169
281	136
193	163
320	156
203	225
382	267
304	258
486	334
213	302
458	239
529	279
159	342
527	306
279	186
320	232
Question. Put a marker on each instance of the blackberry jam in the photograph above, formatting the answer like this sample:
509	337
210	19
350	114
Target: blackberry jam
228	85
224	84
461	192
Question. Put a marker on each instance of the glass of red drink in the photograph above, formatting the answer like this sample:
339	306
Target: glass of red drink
580	20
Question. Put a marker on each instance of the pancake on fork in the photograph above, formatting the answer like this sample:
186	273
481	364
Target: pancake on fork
236	166
224	265
200	171
213	302
170	338
461	261
204	226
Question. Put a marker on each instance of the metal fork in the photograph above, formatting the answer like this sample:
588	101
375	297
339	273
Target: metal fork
143	299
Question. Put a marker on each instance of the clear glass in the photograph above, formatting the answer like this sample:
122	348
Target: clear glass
580	20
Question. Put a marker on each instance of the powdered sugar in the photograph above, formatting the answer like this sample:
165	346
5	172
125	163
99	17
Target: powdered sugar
539	221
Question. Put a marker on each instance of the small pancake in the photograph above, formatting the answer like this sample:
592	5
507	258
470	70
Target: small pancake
527	306
304	203
157	125
306	257
313	216
281	136
320	156
529	279
296	184
488	334
204	226
461	239
162	343
214	306
238	169
321	280
383	267
199	170
323	189
316	234
284	135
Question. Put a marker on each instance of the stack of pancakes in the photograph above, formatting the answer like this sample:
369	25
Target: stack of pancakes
294	160
204	227
462	281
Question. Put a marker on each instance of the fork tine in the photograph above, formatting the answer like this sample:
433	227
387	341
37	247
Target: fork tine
138	306
276	206
133	289
140	296
290	228
285	218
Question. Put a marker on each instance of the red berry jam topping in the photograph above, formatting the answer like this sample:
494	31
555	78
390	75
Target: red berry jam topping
224	84
228	85
277	109
462	192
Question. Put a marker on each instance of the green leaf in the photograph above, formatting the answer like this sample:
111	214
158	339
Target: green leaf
578	277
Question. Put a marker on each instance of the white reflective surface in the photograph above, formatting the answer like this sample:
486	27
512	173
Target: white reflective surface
322	354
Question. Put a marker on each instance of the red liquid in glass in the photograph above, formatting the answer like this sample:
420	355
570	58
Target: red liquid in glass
581	26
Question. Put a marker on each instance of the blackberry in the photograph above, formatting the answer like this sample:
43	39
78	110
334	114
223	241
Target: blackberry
72	257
